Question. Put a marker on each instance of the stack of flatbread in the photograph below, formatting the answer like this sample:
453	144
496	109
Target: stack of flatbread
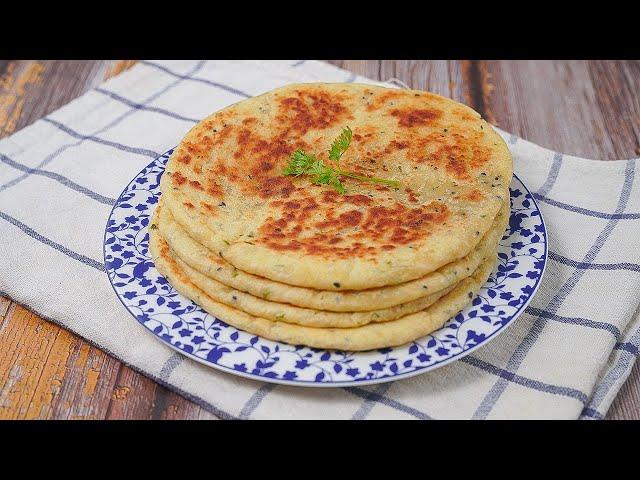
296	258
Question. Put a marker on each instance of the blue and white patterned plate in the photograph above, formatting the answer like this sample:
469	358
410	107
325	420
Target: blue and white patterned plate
184	326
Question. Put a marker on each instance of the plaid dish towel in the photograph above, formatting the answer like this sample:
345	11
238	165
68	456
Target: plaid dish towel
565	357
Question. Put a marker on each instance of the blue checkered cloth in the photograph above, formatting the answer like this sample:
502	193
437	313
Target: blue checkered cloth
565	357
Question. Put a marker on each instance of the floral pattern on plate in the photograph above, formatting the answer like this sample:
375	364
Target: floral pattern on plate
184	326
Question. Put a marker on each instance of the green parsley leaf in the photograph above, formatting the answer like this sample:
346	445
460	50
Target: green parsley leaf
340	145
301	163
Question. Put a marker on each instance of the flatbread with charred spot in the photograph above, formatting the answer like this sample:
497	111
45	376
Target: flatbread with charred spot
224	186
282	312
366	337
212	265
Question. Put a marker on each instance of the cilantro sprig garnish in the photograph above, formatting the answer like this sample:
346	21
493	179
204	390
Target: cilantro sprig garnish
340	145
301	163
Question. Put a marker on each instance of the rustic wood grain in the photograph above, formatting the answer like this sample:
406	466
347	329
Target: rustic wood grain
30	90
46	371
367	68
626	405
576	107
585	108
617	96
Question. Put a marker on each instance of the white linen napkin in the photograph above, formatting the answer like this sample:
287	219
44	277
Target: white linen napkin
565	357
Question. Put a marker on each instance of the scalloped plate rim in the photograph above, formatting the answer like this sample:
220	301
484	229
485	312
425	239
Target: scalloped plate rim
331	384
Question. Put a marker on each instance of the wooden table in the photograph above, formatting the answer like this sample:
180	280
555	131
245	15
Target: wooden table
585	108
